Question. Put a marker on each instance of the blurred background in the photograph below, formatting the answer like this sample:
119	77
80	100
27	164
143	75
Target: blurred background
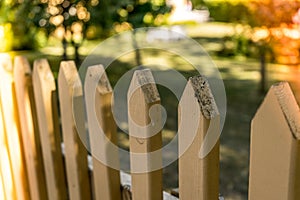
254	43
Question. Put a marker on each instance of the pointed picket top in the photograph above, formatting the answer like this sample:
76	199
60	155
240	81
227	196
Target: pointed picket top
29	130
289	106
198	95
144	79
204	96
98	94
97	75
68	72
145	124
68	76
275	149
143	87
199	132
42	72
103	134
73	126
22	65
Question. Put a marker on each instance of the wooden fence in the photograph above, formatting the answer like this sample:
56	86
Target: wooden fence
275	147
43	157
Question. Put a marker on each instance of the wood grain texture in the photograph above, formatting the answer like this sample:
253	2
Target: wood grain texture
30	133
103	133
44	93
69	86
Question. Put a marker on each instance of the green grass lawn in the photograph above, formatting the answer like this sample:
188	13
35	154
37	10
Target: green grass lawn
241	78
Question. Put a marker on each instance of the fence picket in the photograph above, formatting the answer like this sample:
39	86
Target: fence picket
142	95
98	99
5	164
198	177
2	194
69	84
274	171
32	164
30	134
12	130
44	91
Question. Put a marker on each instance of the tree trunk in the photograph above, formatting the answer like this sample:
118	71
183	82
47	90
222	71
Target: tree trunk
262	69
77	59
64	44
136	49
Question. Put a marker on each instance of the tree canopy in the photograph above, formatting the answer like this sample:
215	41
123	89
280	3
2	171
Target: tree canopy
74	20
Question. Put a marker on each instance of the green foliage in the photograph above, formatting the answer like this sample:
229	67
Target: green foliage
16	16
31	21
100	21
139	14
225	11
23	28
238	45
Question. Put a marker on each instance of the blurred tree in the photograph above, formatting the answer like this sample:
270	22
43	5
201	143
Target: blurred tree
131	14
68	20
139	13
268	14
72	21
14	14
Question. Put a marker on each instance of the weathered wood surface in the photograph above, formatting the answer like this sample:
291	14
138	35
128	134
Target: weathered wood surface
198	118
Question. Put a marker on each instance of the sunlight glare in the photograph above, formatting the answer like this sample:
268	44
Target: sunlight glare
2	32
291	33
260	34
